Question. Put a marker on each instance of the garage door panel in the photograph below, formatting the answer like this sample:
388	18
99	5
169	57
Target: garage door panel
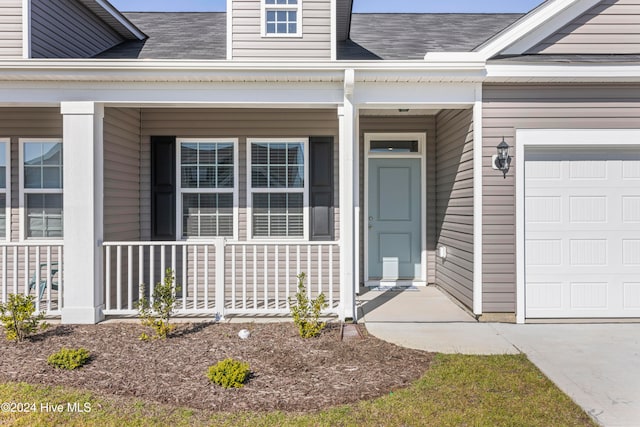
582	234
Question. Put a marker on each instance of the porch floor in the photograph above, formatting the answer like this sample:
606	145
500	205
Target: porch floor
425	318
423	304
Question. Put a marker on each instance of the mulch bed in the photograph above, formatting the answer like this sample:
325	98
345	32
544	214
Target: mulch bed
288	373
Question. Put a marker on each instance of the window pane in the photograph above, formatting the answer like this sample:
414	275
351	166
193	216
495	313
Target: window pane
3	154
42	165
259	153
225	177
293	28
259	176
225	154
260	226
271	28
204	213
277	154
207	175
281	28
44	215
189	154
32	177
278	177
295	226
261	203
3	177
51	177
295	203
292	16
189	177
52	154
207	154
32	153
271	16
296	176
270	1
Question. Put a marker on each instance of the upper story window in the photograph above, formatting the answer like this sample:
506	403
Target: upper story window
282	18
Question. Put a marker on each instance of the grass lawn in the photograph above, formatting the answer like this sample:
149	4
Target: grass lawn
458	390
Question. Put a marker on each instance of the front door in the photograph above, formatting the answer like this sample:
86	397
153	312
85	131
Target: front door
394	219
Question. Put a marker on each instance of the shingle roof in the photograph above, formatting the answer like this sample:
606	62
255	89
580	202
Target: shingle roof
404	36
202	35
175	35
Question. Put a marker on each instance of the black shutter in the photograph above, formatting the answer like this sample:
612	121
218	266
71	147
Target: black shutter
321	187
163	188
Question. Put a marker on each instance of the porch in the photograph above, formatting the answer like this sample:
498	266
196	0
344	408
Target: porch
144	225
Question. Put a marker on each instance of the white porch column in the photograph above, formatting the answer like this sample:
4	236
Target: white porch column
348	244
83	212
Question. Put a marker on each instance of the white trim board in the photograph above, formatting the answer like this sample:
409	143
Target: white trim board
477	203
422	155
567	138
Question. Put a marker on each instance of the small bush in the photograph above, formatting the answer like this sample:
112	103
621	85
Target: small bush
18	317
306	311
68	358
229	373
157	314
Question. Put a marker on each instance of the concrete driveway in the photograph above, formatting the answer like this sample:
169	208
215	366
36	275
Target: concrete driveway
597	365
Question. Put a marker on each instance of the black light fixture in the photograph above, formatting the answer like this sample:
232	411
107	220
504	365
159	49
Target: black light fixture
502	161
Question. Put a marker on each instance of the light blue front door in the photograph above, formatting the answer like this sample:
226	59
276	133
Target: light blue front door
394	223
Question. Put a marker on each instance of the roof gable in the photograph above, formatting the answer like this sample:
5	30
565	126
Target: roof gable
611	27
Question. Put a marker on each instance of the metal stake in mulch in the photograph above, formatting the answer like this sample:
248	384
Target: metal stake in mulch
350	332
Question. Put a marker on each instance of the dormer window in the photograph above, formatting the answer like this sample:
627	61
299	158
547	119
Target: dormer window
282	18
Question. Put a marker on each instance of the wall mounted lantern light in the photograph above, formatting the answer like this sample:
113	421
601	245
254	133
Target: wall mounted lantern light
502	161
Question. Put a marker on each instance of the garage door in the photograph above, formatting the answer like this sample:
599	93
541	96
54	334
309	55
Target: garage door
582	233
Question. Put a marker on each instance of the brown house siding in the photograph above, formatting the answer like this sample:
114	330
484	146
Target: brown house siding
411	124
509	107
11	29
611	27
121	174
454	203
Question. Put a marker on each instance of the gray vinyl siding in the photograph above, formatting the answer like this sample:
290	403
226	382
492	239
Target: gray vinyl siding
121	174
507	108
248	43
11	29
66	29
611	27
454	202
424	124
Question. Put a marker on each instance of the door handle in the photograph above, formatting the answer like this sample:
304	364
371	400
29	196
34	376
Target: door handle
370	222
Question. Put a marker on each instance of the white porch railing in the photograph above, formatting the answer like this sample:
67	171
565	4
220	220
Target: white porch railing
33	268
218	278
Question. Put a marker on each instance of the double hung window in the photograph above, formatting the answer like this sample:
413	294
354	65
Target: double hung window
207	183
281	18
41	185
278	190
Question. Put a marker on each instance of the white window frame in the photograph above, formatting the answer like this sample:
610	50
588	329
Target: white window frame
7	190
304	190
180	191
23	191
264	7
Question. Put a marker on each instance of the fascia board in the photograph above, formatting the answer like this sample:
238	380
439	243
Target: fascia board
536	26
577	73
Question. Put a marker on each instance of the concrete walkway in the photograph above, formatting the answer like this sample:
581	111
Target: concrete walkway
597	365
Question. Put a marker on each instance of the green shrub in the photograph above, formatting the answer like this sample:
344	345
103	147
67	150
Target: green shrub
306	311
229	373
18	317
157	314
68	358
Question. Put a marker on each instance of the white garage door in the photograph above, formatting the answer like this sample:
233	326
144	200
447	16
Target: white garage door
582	233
